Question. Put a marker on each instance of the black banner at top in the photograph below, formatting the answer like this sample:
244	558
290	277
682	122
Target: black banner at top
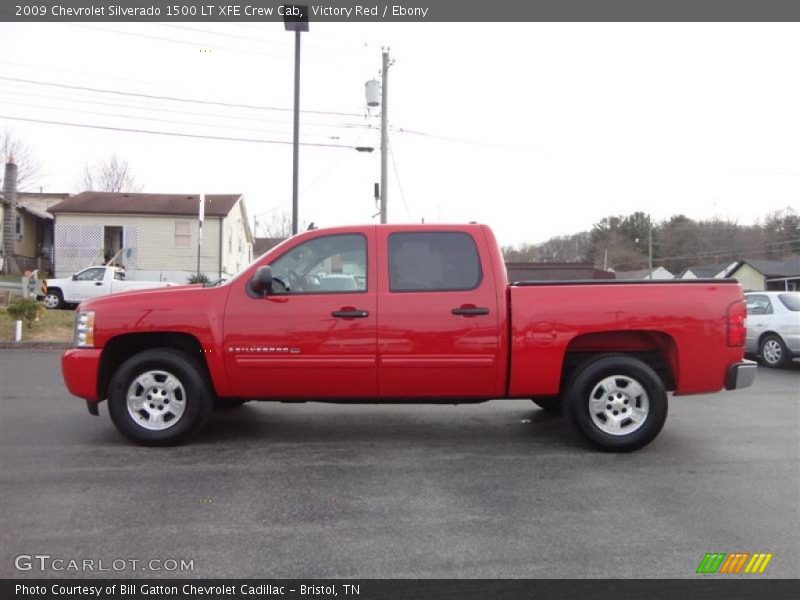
399	10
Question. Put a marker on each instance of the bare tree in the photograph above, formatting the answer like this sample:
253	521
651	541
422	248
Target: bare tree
110	175
29	169
520	253
278	228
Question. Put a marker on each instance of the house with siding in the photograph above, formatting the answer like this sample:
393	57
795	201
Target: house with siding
26	237
153	236
712	271
757	275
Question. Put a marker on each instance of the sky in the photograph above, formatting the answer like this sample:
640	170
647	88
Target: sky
536	129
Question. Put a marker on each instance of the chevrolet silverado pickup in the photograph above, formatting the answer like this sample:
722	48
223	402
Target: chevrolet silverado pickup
427	315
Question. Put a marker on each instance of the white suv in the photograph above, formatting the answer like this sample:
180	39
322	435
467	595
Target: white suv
773	326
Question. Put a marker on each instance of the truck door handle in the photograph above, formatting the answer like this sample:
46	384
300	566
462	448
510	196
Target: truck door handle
470	310
98	283
350	313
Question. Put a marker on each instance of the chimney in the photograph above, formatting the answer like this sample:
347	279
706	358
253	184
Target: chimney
9	215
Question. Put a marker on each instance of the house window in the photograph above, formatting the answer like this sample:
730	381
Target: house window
18	227
183	234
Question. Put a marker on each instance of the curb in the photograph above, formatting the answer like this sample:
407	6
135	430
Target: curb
5	345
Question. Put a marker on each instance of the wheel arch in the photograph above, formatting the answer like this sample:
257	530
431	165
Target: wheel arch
656	349
119	348
764	335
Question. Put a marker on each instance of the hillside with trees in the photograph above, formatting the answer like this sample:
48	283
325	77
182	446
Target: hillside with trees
621	242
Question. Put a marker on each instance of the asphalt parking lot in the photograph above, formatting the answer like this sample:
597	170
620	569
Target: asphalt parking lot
313	490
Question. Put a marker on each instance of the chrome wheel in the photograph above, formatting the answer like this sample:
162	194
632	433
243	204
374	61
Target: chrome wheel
772	352
618	405
156	400
51	301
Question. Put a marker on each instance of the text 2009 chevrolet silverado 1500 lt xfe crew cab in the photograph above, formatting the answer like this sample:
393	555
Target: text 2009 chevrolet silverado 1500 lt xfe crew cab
427	316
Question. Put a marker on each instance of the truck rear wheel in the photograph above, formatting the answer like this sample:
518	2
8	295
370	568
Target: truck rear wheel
617	402
160	397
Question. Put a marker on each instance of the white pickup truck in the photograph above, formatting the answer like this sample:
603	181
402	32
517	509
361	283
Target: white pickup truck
90	283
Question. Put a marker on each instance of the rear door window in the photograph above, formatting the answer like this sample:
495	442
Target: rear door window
433	261
758	305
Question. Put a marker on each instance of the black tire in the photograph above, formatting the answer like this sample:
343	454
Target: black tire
553	406
587	379
53	299
773	352
228	403
197	393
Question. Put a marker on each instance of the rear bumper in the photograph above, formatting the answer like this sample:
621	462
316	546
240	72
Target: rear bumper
741	375
80	367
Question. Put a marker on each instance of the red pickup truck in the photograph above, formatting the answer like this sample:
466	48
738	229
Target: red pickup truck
399	313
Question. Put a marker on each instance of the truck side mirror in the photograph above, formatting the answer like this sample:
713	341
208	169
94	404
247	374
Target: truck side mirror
74	278
261	282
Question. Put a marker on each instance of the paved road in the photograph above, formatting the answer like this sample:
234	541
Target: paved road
492	490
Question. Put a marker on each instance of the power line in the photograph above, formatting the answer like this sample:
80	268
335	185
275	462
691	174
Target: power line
173	98
458	140
397	176
156	119
175	134
83	100
330	167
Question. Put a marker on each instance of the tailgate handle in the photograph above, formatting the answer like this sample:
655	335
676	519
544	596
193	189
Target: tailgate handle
470	310
350	314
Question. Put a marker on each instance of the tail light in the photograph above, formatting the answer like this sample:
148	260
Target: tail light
737	313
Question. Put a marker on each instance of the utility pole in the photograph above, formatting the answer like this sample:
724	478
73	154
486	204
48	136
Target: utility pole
650	244
201	213
384	132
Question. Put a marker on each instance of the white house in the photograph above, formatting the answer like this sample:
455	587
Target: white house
715	271
154	236
657	273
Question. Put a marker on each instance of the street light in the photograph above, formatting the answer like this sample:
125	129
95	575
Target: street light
295	18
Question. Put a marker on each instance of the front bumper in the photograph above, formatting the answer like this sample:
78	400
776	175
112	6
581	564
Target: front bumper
80	367
741	375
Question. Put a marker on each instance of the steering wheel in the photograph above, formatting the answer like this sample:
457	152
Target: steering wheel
294	280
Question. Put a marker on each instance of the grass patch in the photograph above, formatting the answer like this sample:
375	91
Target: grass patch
54	326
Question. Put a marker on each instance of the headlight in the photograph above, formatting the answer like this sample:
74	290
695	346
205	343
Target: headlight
84	329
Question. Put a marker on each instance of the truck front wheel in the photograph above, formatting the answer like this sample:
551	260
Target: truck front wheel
617	402
53	299
160	397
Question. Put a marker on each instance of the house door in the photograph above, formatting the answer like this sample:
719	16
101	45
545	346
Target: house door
112	243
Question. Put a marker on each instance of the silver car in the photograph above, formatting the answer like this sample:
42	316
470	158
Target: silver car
773	326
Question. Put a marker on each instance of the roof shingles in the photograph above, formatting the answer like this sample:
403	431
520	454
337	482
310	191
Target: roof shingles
216	205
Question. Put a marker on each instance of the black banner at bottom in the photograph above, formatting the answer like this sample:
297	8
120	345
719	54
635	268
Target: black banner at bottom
400	589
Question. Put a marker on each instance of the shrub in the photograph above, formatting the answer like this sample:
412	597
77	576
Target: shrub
27	310
198	278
